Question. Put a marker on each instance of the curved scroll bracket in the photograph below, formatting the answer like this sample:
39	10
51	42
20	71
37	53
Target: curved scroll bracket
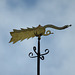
46	52
31	54
34	48
41	55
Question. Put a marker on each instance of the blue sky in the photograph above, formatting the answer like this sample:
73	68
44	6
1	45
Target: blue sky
16	14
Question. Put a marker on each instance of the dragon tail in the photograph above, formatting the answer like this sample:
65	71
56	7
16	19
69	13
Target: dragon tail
55	27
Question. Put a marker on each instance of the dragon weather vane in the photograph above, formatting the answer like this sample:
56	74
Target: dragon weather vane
32	32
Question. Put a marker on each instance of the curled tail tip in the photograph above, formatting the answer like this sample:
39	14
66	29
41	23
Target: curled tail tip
70	25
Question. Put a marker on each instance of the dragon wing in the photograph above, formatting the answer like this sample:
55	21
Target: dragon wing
22	34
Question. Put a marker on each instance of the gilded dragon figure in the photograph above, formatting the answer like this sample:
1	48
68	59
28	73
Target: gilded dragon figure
32	32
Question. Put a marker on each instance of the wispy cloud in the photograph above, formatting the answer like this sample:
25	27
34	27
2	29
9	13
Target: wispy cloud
16	14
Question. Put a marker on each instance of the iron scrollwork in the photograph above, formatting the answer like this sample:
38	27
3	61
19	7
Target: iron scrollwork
41	55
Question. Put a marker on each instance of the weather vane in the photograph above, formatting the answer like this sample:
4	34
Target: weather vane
32	32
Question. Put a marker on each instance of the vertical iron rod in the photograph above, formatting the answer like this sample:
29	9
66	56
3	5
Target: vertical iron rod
38	58
38	55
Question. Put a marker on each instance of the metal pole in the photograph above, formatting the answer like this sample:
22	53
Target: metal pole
38	57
